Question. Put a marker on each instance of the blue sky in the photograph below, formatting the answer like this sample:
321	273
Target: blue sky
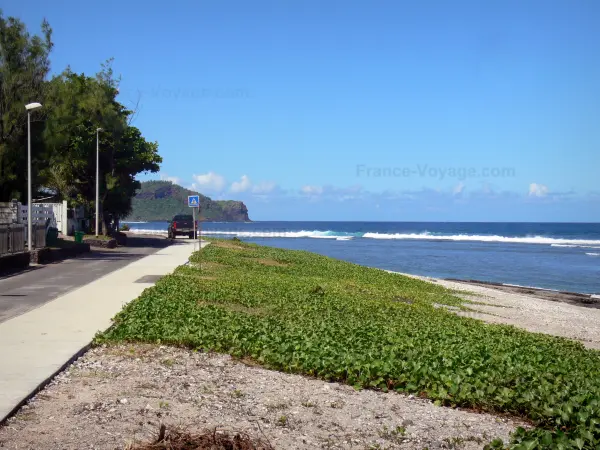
380	110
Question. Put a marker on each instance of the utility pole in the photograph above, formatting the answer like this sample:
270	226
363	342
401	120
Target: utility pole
29	107
98	130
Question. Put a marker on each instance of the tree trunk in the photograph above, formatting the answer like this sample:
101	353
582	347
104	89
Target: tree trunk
106	223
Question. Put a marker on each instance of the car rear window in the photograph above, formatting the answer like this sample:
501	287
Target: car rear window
182	217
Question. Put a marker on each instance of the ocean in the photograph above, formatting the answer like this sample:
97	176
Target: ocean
560	256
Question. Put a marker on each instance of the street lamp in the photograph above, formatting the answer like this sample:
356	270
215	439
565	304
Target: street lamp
29	107
98	130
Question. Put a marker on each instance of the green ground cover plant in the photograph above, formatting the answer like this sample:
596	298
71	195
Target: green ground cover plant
304	313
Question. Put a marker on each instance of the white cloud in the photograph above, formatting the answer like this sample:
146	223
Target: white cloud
312	190
210	181
538	190
459	188
246	185
165	177
241	186
487	189
328	192
264	187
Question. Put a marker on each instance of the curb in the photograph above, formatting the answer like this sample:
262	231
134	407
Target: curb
45	383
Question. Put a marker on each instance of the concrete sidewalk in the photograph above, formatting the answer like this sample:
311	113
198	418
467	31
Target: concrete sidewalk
24	291
36	345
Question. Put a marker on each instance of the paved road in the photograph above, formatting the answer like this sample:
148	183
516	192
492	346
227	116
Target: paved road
24	291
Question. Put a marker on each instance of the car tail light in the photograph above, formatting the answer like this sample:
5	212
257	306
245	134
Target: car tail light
174	225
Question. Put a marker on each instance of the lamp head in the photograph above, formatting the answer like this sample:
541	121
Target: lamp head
32	106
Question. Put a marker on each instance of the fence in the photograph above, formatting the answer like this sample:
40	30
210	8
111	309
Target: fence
54	214
10	212
12	239
13	223
39	236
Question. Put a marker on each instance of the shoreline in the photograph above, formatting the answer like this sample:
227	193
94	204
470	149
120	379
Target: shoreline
573	298
554	295
555	313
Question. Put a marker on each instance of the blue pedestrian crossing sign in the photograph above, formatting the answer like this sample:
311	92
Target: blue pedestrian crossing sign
193	201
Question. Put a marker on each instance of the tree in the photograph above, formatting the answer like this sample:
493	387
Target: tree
24	65
77	106
64	150
133	155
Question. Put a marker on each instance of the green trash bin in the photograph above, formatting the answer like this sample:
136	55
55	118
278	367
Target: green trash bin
79	236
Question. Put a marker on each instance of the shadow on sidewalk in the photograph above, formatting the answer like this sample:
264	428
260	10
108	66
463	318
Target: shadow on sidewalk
11	273
147	241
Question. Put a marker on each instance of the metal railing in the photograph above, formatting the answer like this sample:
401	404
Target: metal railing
12	239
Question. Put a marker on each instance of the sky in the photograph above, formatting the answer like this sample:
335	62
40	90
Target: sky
364	110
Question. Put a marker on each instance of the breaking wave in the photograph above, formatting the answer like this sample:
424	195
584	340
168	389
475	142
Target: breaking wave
316	234
424	235
485	238
340	236
574	245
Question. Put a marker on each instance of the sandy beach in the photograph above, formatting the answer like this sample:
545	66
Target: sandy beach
569	315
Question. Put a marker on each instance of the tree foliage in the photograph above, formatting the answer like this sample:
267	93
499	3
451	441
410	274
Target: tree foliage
64	132
78	106
24	65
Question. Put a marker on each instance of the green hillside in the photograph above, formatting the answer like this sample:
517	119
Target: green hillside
161	200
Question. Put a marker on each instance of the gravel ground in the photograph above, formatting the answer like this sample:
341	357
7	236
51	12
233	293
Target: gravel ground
114	396
533	313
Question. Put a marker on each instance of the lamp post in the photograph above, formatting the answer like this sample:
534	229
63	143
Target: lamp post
98	130
29	107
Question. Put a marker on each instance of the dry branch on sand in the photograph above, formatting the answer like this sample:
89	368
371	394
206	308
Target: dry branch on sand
214	439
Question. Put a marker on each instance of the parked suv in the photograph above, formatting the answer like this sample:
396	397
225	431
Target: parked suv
182	225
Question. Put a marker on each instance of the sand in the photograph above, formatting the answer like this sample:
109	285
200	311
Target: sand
555	313
116	396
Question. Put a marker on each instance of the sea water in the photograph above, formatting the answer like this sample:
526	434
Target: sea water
561	256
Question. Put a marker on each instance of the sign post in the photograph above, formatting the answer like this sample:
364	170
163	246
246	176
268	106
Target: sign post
194	219
194	202
199	229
